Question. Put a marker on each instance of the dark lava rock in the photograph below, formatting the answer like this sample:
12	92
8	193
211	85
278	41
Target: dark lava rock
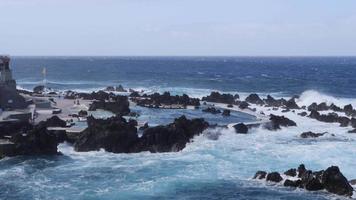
285	110
352	131
344	121
348	109
271	102
330	179
335	108
156	100
352	182
55	121
291	104
38	141
260	175
301	170
114	134
243	105
278	121
310	134
274	177
14	127
290	183
226	113
100	95
172	137
310	182
303	114
212	110
241	128
120	89
119	105
82	113
291	172
220	98
110	88
353	122
254	99
335	182
318	107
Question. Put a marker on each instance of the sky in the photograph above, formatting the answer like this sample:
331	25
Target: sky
178	27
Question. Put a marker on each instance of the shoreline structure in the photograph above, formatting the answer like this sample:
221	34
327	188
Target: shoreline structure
45	112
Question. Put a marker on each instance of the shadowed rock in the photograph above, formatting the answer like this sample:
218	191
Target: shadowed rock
220	98
279	121
260	175
241	128
274	177
119	105
254	99
310	134
212	110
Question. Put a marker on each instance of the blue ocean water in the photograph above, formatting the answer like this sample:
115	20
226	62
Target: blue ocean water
288	75
207	168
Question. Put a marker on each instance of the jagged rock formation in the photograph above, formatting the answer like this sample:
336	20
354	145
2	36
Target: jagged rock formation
330	179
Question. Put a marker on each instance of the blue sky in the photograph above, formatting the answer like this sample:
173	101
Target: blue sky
178	27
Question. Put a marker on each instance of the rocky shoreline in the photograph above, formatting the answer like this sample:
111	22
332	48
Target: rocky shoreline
120	133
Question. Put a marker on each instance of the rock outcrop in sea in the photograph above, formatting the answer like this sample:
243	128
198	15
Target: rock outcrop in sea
331	179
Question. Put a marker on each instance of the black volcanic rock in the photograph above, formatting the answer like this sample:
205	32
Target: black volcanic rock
330	179
291	172
335	182
254	99
156	100
243	105
319	107
291	104
241	128
55	121
212	110
310	134
226	113
348	109
38	141
271	102
114	134
172	137
290	183
220	98
279	121
274	177
260	175
353	122
119	105
14	127
352	131
303	114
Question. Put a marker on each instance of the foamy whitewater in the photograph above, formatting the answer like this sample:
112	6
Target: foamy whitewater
218	164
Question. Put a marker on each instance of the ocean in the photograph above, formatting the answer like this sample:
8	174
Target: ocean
219	168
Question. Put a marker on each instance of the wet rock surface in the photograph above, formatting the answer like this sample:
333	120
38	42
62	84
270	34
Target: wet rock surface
118	135
310	134
279	121
221	98
330	179
241	128
156	100
118	105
